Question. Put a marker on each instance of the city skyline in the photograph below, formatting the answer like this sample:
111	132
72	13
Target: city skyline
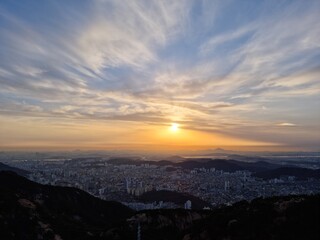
160	75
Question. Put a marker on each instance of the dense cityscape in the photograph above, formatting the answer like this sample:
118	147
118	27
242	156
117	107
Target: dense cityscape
103	177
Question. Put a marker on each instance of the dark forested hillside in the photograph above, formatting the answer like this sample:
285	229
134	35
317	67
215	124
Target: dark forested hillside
5	167
175	197
29	210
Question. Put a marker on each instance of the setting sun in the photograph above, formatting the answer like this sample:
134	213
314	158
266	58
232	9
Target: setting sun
174	127
113	74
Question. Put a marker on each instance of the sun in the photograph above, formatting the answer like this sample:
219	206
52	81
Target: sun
174	127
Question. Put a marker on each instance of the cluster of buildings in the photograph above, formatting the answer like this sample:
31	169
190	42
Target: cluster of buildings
126	183
136	188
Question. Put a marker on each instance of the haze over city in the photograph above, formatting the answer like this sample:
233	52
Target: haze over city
160	75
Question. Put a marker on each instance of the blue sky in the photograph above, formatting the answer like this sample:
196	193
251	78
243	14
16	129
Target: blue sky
245	70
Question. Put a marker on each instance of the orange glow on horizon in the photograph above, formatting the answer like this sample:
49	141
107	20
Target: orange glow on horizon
115	135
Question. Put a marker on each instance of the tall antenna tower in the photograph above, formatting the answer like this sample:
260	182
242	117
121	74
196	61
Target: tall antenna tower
139	232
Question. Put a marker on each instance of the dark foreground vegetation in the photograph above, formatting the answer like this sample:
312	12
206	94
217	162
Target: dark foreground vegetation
33	211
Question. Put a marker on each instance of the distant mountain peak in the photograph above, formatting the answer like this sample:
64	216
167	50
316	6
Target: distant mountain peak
221	150
175	158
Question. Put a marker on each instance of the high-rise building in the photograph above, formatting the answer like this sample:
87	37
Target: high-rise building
188	204
226	185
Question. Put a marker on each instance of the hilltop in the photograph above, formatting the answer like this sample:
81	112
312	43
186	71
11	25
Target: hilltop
5	167
174	197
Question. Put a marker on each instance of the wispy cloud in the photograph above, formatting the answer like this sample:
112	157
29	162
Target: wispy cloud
286	124
158	61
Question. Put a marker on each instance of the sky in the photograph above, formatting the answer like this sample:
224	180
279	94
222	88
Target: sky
100	74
